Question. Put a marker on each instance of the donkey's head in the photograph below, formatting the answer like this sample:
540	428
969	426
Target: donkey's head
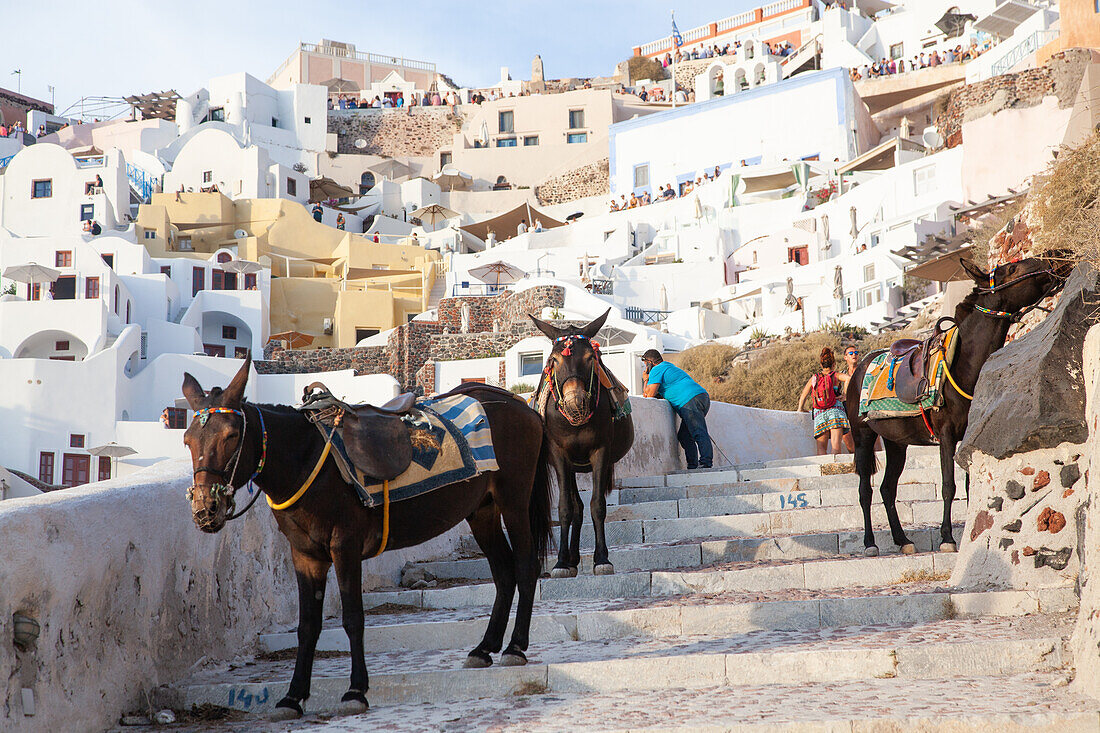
1014	287
572	367
216	441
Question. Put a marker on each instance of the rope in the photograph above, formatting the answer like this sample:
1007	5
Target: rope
309	481
385	518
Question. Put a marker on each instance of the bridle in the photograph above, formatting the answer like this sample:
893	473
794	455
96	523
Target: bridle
1017	316
225	488
575	417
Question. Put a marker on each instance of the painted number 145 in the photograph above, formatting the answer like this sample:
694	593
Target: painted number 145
793	501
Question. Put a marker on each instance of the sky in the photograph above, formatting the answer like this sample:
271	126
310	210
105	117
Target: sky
113	48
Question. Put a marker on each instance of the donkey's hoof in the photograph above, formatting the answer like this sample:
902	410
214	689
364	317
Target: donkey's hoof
563	573
353	702
513	659
871	551
603	569
909	549
286	709
948	547
478	660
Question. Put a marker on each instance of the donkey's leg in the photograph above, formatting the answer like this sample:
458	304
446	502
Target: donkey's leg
865	465
311	595
895	464
602	478
485	524
348	561
527	569
947	471
570	517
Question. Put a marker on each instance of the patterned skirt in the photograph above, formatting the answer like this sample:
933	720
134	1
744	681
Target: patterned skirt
826	420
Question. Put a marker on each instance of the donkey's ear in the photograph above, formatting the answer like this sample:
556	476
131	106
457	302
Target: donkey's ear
234	393
594	327
979	275
551	331
192	391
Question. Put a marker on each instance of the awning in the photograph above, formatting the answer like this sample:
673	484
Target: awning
1007	16
880	158
769	182
504	225
155	105
942	269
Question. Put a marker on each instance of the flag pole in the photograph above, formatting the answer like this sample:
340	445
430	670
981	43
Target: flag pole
676	49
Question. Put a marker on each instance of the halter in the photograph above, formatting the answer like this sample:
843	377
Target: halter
226	488
1016	316
574	417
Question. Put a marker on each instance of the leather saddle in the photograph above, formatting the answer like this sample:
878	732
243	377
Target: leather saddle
909	361
376	438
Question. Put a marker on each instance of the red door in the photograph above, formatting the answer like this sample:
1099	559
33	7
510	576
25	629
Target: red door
104	468
214	349
75	469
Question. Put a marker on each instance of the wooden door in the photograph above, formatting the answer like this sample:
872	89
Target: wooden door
75	469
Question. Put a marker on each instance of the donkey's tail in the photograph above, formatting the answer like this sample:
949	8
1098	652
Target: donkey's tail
865	459
539	506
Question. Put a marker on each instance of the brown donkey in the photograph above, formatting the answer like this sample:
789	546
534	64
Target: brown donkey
231	439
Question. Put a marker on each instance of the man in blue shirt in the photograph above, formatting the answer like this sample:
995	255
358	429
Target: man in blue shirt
690	401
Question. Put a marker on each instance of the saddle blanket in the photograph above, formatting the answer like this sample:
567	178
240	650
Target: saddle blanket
451	442
877	398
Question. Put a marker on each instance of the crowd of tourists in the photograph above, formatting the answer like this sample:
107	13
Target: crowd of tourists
779	48
395	100
664	192
888	67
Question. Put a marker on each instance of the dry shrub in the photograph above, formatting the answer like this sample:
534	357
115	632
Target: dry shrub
1065	206
982	232
642	67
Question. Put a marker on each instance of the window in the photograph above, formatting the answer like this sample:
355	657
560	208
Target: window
871	296
42	189
576	119
876	237
445	159
924	180
60	345
213	349
207	176
798	255
530	364
308	120
222	280
291	187
506	142
362	333
116	300
104	468
87	212
45	467
240	352
506	121
177	418
274	121
166	270
529	140
897	51
144	345
366	182
76	440
577	137
128	304
478	380
229	333
198	280
869	272
250	281
150	234
185	244
91	287
641	176
108	260
63	258
224	257
35	291
217	114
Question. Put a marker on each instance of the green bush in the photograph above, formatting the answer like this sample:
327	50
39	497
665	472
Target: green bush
522	388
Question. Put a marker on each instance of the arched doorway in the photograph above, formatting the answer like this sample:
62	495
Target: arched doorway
366	182
224	334
53	344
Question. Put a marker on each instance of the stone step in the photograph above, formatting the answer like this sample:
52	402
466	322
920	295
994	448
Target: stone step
653	618
769	481
934	650
1032	702
706	553
813	574
913	453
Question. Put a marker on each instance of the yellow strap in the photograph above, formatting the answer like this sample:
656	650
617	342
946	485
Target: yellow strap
305	487
952	380
385	518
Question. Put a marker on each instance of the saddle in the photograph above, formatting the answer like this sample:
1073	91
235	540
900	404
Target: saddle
910	361
376	439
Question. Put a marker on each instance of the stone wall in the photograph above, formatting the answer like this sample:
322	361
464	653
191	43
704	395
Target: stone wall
1061	77
395	132
588	180
686	71
363	360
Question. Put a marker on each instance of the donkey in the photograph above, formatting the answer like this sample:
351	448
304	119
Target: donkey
231	439
584	437
999	299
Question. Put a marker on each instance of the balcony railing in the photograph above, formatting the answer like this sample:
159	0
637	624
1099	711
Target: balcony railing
644	315
1022	50
603	287
374	58
4	161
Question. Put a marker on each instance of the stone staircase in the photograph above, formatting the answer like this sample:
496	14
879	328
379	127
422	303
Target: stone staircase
741	600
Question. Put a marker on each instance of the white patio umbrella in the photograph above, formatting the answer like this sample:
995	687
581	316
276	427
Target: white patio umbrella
838	283
31	273
433	213
664	298
242	267
497	273
114	451
453	178
390	168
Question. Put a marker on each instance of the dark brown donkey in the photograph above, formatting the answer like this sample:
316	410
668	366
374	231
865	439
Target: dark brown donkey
998	300
583	439
232	439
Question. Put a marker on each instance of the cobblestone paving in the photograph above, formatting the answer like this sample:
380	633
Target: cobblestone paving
848	637
836	702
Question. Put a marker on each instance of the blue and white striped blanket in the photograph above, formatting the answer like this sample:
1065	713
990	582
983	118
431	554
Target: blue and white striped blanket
452	442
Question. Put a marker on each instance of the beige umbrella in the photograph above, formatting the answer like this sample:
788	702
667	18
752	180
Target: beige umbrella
31	273
324	188
453	178
390	168
294	339
433	213
242	267
497	273
114	451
